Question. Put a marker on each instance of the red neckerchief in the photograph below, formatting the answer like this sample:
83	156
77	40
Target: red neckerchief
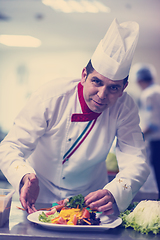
87	114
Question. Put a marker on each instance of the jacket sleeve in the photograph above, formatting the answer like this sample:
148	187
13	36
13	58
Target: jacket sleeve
21	141
131	156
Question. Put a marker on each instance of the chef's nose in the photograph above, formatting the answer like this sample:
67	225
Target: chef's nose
102	93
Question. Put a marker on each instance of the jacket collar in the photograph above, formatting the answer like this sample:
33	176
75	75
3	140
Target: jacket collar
87	114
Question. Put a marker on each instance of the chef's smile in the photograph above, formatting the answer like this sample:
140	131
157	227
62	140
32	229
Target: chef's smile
98	104
100	92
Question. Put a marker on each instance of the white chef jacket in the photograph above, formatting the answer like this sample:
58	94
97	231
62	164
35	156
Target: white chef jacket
150	110
43	132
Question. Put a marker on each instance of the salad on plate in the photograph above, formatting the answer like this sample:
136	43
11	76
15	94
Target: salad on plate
71	212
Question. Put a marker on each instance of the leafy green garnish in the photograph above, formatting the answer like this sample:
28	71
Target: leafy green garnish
132	206
76	201
144	217
47	219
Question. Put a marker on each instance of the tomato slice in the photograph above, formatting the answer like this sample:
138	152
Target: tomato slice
75	219
61	221
52	211
86	214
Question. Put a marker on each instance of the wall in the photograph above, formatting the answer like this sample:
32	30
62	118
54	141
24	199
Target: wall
23	71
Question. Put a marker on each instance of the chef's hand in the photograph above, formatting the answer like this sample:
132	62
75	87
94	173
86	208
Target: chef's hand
29	192
100	200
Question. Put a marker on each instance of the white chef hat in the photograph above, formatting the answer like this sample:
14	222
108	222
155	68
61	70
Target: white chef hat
113	55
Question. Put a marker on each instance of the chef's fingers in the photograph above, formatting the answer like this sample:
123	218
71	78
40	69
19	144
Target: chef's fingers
60	202
99	194
88	197
108	212
63	201
23	202
31	208
31	199
103	204
29	192
106	208
23	197
101	200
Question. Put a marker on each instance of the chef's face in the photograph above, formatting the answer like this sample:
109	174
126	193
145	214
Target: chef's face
100	92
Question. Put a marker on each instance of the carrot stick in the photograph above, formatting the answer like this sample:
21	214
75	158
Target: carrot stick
44	209
86	221
20	208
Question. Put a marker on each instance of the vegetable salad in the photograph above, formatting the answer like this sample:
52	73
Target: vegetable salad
72	212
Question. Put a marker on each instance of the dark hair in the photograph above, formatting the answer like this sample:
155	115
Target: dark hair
90	69
125	80
144	74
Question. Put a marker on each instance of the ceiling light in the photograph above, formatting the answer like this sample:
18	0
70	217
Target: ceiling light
82	6
19	41
58	5
101	7
76	6
89	6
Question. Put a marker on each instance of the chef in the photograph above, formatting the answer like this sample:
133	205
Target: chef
59	142
150	113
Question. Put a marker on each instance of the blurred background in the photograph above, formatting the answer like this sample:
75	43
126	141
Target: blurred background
58	37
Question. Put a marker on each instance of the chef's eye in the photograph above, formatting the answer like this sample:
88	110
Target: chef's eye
113	89
97	82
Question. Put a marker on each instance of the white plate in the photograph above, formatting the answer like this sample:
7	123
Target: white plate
106	223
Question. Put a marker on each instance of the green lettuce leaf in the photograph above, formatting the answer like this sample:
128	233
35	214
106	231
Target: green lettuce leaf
47	219
76	201
144	218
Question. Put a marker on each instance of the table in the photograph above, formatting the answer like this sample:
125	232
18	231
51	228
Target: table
18	228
